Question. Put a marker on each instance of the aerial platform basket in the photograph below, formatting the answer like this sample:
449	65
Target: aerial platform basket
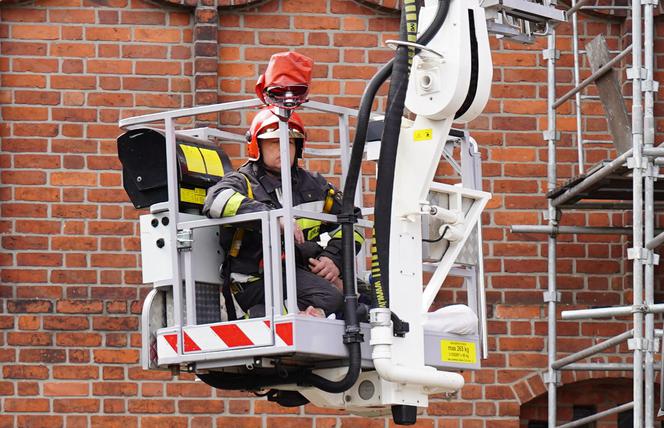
183	320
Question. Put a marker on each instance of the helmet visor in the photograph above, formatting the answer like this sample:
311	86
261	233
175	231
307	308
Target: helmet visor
274	133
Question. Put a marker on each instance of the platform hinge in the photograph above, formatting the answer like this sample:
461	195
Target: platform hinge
185	239
551	296
633	73
643	345
552	379
551	135
550	53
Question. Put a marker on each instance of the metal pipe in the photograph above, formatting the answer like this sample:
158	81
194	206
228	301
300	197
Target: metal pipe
287	204
603	366
637	210
655	242
600	72
552	374
649	150
649	214
577	96
593	179
604	206
173	212
599	415
575	8
612	311
526	228
592	350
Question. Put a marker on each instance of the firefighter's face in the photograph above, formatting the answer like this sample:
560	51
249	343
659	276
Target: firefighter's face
271	155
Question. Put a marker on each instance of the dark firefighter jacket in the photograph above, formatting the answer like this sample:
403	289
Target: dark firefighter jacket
311	192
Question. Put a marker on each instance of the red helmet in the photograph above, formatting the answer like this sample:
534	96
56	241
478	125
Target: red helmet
266	125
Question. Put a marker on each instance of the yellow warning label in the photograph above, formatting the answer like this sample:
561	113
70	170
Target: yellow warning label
212	162
453	351
193	196
193	158
423	134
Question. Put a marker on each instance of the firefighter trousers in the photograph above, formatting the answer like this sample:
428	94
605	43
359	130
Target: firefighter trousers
312	290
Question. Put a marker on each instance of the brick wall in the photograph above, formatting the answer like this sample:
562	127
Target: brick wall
70	280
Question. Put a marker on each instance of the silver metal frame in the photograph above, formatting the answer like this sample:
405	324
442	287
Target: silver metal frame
641	158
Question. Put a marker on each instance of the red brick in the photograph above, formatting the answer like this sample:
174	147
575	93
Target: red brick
24	242
126	389
125	356
113	422
35	32
161	36
281	38
29	339
36	65
75	372
23	80
74	114
23	405
24	372
23	14
164	421
151	406
76	405
25	113
39	259
110	99
108	34
239	421
66	323
200	406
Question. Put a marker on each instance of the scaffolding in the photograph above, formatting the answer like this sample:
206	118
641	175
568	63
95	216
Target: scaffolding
631	176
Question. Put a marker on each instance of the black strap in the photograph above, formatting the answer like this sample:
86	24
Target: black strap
226	291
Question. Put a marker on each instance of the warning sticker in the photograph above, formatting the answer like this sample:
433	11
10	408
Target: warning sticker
453	351
194	196
193	158
212	162
423	134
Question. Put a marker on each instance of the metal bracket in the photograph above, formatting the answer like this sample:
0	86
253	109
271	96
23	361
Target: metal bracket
637	254
552	296
185	239
645	255
633	73
550	53
551	135
633	164
650	2
545	216
556	378
650	86
644	345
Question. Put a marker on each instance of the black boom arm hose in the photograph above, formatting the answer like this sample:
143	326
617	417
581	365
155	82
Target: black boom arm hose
347	219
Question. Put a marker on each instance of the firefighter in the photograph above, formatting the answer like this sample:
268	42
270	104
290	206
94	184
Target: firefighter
256	186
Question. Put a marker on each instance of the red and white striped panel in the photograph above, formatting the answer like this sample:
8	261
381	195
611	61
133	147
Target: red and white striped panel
167	345
237	334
